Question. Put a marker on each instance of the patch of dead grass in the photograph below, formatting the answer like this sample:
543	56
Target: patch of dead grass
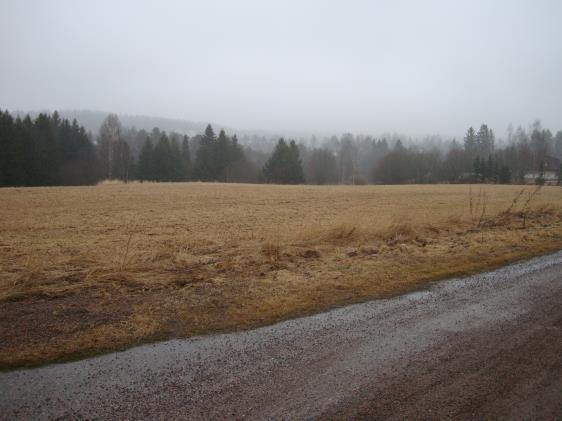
90	269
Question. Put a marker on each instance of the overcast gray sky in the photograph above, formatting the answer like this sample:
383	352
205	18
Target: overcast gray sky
415	67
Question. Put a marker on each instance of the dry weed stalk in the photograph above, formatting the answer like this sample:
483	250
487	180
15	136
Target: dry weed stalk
477	206
272	249
527	205
514	202
126	255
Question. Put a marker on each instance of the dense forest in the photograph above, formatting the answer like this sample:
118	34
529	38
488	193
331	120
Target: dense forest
48	150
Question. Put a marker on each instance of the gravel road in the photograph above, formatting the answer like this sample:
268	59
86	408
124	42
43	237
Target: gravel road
487	346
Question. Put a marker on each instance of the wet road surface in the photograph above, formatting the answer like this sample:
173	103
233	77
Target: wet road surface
486	346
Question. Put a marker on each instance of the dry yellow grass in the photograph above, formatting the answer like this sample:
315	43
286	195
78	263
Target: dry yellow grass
90	269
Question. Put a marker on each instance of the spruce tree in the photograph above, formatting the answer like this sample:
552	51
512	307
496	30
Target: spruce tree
77	155
484	141
296	174
46	153
479	169
210	133
274	169
176	164
504	176
284	165
186	159
470	143
146	161
163	168
7	164
205	169
221	157
235	149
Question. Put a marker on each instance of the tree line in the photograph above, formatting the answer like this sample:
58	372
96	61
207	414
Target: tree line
52	151
46	151
477	160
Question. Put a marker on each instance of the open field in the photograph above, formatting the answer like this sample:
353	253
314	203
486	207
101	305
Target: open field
90	269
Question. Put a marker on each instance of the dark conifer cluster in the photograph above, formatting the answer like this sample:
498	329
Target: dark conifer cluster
284	166
49	150
46	151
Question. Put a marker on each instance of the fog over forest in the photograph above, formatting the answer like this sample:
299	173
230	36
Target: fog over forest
318	92
291	68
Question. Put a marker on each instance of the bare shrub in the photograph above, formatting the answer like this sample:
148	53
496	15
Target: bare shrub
524	213
477	206
514	202
126	254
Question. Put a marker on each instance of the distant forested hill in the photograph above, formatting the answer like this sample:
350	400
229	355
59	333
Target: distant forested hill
91	120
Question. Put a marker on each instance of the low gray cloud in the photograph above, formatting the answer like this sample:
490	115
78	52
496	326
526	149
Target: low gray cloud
415	67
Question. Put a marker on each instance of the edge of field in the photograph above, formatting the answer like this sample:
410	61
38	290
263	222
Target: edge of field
422	284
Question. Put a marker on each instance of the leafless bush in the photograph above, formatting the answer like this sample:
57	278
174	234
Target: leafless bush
514	202
126	254
524	213
271	247
522	206
477	206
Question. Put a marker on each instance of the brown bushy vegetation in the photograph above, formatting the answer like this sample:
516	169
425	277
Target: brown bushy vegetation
90	269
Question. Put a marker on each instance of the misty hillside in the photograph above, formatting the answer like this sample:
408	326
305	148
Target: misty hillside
91	120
